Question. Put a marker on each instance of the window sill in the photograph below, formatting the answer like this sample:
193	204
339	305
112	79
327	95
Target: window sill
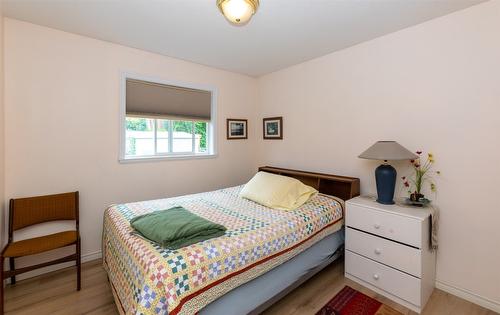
166	158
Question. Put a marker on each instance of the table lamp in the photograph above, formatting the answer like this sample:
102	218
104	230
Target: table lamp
385	174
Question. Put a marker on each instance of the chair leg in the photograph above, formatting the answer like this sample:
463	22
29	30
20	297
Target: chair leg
1	284
12	267
78	265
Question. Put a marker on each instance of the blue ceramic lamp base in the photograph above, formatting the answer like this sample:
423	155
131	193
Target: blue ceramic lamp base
385	177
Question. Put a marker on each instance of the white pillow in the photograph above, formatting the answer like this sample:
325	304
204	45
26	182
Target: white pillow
276	191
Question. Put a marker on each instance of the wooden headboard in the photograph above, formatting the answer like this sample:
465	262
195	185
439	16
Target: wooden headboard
340	186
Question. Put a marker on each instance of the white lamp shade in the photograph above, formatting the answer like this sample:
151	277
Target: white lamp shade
387	150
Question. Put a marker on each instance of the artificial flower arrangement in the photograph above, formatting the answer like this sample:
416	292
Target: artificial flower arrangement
422	174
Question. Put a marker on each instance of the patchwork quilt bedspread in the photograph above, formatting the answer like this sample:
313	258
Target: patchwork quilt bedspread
149	279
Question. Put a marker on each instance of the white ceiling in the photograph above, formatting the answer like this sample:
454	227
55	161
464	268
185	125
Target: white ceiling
282	33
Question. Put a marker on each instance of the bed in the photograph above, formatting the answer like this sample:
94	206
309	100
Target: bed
263	255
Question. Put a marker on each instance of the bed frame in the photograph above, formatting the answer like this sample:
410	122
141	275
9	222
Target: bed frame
340	186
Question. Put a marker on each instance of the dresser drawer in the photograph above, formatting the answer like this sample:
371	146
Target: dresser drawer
389	280
392	226
398	256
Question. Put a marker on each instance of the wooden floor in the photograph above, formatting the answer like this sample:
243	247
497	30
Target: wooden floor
55	293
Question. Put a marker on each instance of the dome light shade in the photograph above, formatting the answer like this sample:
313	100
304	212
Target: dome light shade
238	12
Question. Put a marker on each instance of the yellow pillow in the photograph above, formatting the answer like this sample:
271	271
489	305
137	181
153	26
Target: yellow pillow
276	191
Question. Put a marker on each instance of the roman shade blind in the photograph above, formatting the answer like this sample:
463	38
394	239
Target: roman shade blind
147	99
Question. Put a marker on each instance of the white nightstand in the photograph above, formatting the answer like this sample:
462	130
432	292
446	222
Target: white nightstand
388	251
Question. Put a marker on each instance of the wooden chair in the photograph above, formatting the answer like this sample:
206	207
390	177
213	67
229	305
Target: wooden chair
26	212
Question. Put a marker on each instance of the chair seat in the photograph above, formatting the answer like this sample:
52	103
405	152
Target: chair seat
40	244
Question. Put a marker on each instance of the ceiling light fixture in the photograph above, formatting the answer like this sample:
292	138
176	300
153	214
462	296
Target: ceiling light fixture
238	12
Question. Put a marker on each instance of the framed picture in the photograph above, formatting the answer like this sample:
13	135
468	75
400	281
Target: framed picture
237	129
273	128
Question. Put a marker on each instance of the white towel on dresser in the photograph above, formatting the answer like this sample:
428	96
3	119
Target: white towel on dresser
434	226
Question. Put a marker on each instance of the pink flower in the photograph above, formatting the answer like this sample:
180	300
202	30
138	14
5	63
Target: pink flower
407	184
403	178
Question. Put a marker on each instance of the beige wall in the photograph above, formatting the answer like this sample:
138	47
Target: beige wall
2	146
435	86
62	134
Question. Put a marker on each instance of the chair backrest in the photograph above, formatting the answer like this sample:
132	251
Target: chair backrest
24	212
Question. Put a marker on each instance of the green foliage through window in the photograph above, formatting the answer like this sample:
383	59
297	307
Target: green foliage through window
200	128
137	124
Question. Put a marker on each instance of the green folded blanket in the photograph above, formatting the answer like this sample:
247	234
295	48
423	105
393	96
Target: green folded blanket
176	227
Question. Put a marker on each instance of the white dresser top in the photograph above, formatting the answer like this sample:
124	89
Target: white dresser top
417	213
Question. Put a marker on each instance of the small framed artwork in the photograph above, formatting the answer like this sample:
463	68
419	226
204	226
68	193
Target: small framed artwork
237	129
273	128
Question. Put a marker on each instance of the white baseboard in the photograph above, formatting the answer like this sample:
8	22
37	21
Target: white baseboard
469	296
91	256
37	272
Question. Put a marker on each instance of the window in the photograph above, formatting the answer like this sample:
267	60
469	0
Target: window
151	137
165	121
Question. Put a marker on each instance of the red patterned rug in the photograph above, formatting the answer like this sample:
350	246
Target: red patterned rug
351	302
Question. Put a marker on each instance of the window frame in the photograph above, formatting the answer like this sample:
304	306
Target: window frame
211	125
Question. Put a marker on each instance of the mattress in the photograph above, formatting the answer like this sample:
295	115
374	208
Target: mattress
255	296
148	279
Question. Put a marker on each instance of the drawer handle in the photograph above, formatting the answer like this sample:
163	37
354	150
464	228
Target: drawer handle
376	226
378	251
376	276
